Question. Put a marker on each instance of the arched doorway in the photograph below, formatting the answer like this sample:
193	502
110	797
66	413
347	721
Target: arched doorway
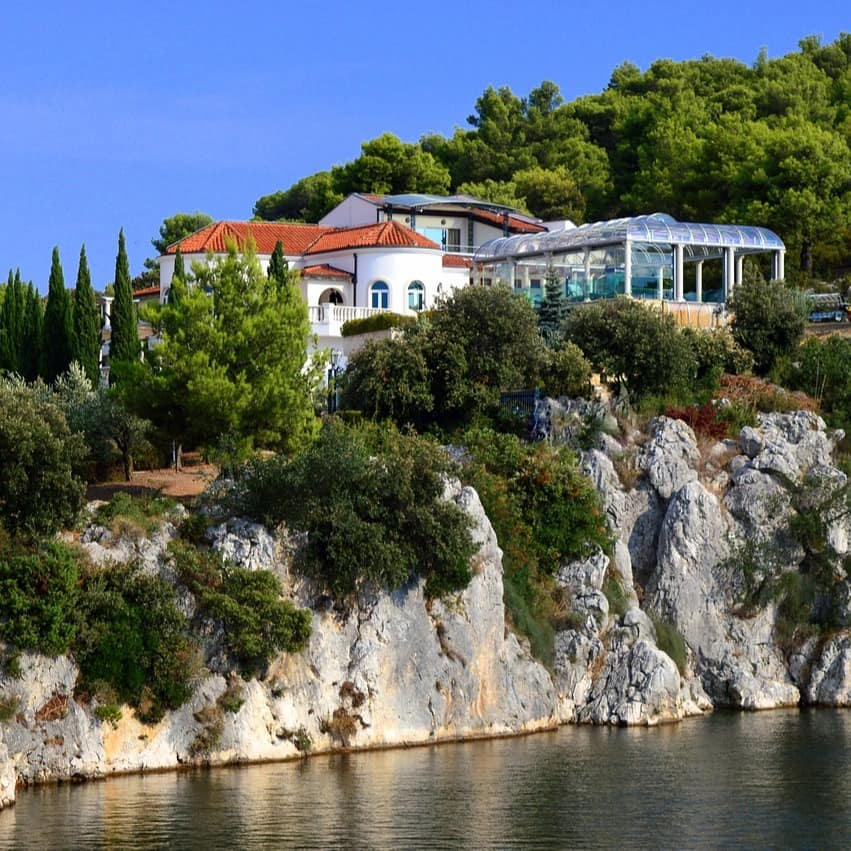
331	296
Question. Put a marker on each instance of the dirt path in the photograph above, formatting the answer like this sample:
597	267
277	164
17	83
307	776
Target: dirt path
184	485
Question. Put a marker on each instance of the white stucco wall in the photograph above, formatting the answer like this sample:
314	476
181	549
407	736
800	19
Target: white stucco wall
351	212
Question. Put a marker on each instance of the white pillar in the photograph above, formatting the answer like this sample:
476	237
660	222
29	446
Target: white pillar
586	283
740	269
698	281
661	286
524	277
678	273
726	273
779	272
627	269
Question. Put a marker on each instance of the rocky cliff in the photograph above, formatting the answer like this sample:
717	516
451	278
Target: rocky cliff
393	670
704	540
690	611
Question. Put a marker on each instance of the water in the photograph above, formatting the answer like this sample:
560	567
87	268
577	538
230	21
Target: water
778	779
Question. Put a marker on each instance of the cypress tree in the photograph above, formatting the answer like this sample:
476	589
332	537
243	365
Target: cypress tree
87	336
178	279
124	344
58	331
281	275
31	354
12	341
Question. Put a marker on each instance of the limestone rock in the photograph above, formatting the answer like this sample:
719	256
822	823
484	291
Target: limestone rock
830	677
737	660
8	778
670	456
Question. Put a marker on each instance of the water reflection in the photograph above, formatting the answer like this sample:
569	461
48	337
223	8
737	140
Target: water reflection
774	779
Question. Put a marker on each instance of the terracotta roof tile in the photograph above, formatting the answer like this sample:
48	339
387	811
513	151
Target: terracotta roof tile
215	237
515	223
456	261
324	270
385	234
146	291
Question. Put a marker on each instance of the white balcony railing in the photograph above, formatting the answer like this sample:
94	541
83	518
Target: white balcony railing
339	313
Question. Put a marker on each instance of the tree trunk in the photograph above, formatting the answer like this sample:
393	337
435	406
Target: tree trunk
807	257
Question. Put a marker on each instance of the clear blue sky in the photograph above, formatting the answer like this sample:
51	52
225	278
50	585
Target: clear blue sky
118	115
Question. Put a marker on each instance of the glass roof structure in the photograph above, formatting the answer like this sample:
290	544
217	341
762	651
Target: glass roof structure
699	241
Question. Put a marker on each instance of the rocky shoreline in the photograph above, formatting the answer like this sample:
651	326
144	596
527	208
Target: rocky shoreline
398	670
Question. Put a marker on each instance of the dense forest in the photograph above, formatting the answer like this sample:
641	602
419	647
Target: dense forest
705	140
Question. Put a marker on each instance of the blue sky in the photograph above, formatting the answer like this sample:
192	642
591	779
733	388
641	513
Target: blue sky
118	115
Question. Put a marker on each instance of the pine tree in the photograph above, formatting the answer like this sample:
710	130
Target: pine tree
31	334
124	345
58	331
551	310
281	275
87	334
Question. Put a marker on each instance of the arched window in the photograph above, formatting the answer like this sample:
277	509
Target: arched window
379	295
416	295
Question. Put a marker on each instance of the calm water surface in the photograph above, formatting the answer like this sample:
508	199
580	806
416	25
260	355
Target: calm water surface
780	779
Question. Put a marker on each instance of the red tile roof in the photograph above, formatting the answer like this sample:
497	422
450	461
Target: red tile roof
215	237
385	234
324	270
515	223
456	261
146	291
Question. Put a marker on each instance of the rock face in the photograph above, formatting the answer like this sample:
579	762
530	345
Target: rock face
608	668
398	669
8	778
686	523
393	670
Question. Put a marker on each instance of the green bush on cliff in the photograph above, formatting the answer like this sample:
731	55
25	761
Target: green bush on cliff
371	500
257	622
38	597
544	512
131	635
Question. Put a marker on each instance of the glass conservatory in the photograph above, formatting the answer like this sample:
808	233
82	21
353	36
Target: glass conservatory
652	256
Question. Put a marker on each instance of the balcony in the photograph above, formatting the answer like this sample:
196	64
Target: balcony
326	320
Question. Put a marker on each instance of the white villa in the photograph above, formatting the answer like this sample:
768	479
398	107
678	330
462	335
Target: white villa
371	253
400	253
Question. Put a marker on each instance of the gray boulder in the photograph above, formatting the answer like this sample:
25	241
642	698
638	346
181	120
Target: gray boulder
670	456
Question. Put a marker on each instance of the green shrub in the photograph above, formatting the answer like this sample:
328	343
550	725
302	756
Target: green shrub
141	514
670	640
634	346
257	623
232	698
38	597
565	371
109	713
371	501
131	635
615	594
544	512
822	369
193	527
40	491
716	352
376	322
9	706
768	320
302	740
